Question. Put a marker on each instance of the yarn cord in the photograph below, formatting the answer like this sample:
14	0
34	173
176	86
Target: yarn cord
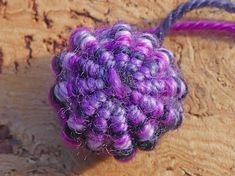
182	9
204	25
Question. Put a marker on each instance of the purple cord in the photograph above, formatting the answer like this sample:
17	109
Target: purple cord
204	25
200	25
183	8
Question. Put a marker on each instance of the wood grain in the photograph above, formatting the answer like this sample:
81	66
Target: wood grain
33	30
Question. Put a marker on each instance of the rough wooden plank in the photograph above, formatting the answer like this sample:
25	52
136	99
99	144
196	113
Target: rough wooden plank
32	31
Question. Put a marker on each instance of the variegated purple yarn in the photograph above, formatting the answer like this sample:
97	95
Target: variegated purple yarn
117	90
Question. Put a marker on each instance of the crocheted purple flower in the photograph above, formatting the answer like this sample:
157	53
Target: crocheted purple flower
116	89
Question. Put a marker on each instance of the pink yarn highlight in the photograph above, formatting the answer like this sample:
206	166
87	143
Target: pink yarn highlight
70	143
204	25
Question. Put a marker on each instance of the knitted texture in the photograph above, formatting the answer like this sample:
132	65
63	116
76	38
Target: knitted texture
116	90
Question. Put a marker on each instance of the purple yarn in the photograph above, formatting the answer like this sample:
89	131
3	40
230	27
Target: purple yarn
116	89
183	8
204	25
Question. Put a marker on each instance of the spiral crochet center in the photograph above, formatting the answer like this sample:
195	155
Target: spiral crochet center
116	89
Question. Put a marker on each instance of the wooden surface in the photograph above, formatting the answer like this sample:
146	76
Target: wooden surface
31	31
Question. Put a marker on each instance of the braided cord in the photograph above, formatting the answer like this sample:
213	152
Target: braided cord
182	9
204	25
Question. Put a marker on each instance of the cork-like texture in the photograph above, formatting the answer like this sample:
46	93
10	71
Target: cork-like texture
32	31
